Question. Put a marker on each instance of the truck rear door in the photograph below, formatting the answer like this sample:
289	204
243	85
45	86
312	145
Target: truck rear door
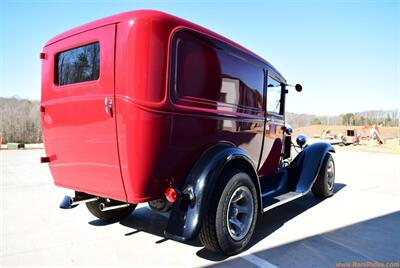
79	128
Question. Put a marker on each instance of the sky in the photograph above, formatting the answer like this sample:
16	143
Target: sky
345	54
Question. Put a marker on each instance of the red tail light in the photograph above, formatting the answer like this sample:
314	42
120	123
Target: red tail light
171	194
44	159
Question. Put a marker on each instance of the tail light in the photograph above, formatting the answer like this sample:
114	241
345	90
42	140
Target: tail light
171	194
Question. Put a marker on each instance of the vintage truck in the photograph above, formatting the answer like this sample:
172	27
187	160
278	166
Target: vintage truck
147	107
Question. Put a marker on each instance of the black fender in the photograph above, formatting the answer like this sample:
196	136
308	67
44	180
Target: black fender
189	209
304	169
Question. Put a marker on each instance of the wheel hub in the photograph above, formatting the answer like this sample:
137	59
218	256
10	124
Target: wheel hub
240	213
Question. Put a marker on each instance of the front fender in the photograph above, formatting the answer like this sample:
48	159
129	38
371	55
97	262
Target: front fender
304	169
189	209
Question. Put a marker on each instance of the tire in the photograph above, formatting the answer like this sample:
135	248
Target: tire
110	215
325	184
220	232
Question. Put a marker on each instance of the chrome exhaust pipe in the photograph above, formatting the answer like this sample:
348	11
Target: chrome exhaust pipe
71	202
76	200
104	207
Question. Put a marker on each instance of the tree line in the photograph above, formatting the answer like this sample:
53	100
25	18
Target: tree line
20	120
386	118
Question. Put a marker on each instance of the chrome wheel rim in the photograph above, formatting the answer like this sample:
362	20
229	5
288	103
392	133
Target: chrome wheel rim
240	213
330	173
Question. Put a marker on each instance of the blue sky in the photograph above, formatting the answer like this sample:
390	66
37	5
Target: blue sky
346	54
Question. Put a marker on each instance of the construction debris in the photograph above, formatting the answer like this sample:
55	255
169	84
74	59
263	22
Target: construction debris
367	135
326	135
351	137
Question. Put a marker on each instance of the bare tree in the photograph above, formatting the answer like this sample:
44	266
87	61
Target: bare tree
20	120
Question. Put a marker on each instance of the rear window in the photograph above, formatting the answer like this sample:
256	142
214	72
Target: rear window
79	64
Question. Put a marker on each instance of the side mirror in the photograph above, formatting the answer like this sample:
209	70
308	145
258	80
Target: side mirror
301	140
298	87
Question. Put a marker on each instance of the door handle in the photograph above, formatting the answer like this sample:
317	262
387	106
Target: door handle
108	105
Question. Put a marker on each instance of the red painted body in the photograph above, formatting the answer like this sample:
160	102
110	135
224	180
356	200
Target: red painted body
154	134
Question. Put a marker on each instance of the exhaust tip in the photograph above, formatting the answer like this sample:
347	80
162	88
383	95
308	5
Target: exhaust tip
71	202
105	207
66	203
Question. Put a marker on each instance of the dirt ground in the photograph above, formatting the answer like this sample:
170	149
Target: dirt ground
390	136
391	147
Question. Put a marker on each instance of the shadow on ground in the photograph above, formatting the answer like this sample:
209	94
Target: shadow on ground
274	219
372	241
145	220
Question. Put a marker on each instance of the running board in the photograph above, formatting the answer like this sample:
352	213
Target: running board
281	199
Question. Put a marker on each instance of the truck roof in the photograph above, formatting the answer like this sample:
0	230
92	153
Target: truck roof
132	15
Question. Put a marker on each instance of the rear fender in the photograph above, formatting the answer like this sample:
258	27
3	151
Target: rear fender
304	169
192	204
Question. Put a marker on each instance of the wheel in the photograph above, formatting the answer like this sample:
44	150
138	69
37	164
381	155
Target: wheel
232	215
110	215
325	183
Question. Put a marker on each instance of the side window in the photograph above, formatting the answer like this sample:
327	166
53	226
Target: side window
206	69
273	95
79	64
